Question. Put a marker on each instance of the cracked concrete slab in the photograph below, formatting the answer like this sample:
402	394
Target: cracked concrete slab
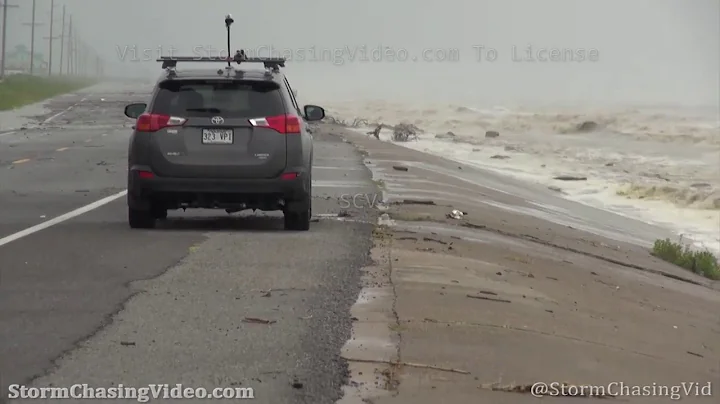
525	288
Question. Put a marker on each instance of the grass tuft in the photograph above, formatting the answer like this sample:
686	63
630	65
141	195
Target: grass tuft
21	89
700	262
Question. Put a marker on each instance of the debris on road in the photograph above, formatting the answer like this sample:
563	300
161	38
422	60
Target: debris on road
448	135
400	168
455	214
411	365
254	320
569	178
489	298
434	240
405	132
414	202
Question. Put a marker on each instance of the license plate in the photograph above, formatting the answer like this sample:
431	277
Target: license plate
217	136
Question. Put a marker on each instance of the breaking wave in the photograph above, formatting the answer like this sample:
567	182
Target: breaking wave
662	154
695	196
657	124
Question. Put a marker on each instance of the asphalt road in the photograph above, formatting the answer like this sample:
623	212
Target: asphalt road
70	311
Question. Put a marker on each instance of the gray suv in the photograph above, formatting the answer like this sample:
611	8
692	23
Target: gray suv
230	139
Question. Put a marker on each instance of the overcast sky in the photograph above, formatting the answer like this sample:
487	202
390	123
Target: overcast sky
644	51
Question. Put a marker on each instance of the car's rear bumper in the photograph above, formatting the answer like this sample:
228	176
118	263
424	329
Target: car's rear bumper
143	189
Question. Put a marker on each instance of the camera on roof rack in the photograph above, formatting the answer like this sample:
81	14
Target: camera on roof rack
273	64
240	56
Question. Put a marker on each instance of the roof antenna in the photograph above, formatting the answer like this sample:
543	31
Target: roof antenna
228	22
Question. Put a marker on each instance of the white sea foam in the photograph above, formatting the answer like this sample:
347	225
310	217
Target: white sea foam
658	164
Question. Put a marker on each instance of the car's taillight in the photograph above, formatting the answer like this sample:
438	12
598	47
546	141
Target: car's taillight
285	124
155	122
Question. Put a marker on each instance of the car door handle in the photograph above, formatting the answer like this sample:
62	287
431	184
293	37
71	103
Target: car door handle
133	127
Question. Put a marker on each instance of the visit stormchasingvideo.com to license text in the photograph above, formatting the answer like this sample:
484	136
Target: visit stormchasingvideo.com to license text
140	394
376	54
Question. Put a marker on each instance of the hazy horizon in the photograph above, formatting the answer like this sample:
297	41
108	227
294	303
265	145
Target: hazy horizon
645	51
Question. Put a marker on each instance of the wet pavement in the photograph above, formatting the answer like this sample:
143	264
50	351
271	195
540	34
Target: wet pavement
85	299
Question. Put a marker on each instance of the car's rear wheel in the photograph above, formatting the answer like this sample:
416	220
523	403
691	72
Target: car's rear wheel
297	217
299	213
140	219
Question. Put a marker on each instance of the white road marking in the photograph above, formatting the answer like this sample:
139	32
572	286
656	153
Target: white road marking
7	133
63	111
58	114
62	218
344	168
340	184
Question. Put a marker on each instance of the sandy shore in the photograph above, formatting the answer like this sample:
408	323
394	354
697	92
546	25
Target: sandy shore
513	293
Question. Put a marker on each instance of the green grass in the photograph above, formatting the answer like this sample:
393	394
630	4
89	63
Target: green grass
700	262
19	90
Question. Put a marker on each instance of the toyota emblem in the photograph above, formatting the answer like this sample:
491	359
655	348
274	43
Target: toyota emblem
217	120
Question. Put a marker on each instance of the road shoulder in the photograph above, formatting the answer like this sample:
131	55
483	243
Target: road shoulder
486	305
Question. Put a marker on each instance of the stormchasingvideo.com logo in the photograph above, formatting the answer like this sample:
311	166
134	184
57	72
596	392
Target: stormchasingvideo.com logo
139	394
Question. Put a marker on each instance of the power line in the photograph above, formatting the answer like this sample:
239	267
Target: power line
76	56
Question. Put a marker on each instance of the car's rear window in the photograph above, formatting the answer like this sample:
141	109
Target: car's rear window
201	98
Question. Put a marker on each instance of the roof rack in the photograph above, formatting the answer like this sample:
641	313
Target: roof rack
270	63
169	63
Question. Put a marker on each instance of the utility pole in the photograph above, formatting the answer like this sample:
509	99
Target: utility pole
62	41
76	54
52	16
3	40
80	46
32	39
70	49
51	37
33	24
